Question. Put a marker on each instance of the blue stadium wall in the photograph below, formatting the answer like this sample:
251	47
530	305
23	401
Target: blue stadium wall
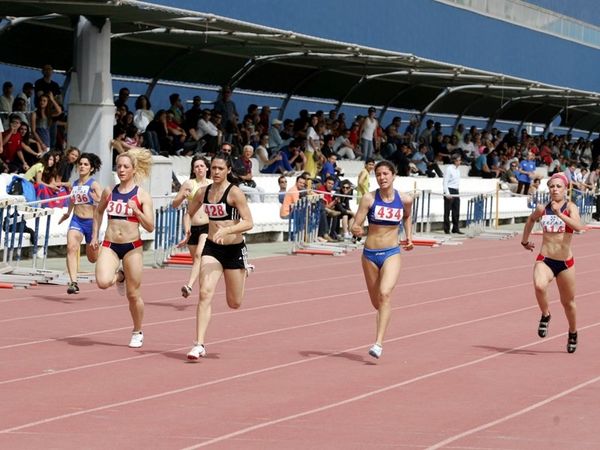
432	30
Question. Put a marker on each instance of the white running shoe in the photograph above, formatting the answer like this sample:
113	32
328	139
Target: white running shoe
198	351
137	339
376	350
121	289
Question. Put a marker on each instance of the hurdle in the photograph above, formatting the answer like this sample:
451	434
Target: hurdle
303	227
14	215
168	233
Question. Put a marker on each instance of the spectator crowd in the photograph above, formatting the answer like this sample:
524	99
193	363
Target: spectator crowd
35	141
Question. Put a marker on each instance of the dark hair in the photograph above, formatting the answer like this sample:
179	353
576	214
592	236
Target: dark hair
385	163
369	160
231	177
95	162
173	98
195	158
138	102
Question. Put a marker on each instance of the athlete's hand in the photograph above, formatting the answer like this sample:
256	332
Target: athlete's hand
64	217
555	207
407	245
357	231
528	246
185	239
220	235
134	207
94	244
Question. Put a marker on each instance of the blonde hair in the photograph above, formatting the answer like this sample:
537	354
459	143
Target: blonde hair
141	160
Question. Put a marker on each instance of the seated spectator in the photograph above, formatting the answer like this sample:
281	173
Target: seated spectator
278	163
343	206
330	169
177	135
32	152
19	109
508	178
47	183
6	101
424	165
295	155
343	147
292	196
242	168
331	212
12	148
401	159
66	166
159	127
282	183
142	117
276	141
209	131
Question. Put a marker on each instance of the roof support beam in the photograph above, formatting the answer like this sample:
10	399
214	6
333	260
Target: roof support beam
354	87
527	116
164	68
446	92
395	97
295	89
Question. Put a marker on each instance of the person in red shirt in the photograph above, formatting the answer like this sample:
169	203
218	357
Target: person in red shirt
11	150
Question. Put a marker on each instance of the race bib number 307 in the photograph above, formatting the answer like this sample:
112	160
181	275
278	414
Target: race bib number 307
118	208
389	214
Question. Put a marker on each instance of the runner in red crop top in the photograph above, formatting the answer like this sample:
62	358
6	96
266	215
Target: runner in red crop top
128	207
558	219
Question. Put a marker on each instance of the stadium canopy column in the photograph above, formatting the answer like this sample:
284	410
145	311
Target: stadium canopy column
91	105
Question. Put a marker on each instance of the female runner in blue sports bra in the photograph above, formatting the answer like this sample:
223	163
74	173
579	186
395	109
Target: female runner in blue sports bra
385	209
559	219
128	207
85	195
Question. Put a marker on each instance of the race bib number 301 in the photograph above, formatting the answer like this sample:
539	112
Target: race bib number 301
387	213
118	208
216	211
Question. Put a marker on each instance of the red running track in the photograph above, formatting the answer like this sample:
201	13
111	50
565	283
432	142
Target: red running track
462	367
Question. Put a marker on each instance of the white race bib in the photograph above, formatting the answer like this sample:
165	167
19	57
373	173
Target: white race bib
119	208
386	213
80	194
215	211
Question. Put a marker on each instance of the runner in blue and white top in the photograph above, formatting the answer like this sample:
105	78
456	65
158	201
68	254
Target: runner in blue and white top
386	209
85	195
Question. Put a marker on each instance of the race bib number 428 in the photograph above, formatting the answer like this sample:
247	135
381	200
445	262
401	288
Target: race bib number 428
387	213
215	211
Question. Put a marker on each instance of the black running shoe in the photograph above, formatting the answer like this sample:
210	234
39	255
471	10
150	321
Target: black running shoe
572	342
73	288
543	326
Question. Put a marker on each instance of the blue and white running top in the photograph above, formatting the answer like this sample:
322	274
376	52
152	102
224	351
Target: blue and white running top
387	214
81	193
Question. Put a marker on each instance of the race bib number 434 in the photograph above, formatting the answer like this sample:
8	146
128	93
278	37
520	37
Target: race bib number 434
387	213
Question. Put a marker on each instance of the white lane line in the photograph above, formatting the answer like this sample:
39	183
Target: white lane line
386	389
294	363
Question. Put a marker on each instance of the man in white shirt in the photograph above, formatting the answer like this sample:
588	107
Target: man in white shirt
451	199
